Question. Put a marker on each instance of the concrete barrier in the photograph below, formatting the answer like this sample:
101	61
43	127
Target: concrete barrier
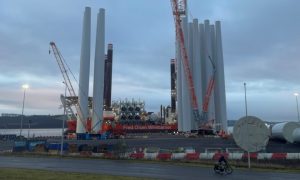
293	156
178	156
136	155
151	156
235	156
164	156
262	156
192	156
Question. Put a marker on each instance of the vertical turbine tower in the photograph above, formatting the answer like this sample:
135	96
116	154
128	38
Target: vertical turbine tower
84	71
99	73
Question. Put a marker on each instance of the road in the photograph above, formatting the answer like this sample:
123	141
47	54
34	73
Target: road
137	169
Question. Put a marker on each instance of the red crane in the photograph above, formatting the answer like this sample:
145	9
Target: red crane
178	8
209	90
60	61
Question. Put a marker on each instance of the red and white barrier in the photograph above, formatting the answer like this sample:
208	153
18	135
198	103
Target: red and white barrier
212	156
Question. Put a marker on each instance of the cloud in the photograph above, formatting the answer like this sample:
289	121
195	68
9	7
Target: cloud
260	44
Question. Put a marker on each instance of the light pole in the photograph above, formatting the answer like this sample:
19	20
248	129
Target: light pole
249	164
296	94
24	87
246	99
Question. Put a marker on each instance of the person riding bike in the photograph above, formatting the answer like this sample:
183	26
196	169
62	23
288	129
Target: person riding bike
222	162
222	166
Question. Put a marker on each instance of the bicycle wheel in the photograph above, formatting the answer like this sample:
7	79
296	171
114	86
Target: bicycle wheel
228	169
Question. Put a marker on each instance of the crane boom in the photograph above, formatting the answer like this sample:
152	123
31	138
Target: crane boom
59	60
210	88
177	12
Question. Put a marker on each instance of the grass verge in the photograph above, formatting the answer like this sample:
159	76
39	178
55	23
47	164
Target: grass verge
29	174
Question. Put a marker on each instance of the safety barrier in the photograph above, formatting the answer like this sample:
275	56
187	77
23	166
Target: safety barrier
213	156
120	151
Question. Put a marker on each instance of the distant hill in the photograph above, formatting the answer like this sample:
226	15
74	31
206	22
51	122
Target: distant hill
36	122
41	122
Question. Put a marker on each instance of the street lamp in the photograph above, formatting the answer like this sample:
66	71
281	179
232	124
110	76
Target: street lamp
246	99
246	108
296	95
24	87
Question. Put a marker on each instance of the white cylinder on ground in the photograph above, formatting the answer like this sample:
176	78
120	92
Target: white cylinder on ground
84	72
99	73
221	110
296	135
284	131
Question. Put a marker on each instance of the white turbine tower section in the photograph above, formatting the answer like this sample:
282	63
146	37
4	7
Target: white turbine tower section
196	67
221	112
191	121
179	87
202	61
216	99
84	71
208	69
185	92
99	73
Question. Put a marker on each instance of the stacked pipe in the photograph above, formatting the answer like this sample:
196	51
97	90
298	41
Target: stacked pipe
203	43
130	111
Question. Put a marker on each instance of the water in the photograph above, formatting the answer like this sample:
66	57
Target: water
33	132
49	132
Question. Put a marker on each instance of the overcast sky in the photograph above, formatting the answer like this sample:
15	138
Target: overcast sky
261	46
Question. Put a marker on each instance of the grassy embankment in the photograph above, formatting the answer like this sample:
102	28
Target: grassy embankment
26	174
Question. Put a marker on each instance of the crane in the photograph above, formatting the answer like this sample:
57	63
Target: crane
179	9
209	90
60	62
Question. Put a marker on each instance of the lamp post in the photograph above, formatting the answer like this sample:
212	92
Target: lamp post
296	94
246	99
249	164
24	87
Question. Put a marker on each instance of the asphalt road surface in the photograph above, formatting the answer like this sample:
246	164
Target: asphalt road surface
136	169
